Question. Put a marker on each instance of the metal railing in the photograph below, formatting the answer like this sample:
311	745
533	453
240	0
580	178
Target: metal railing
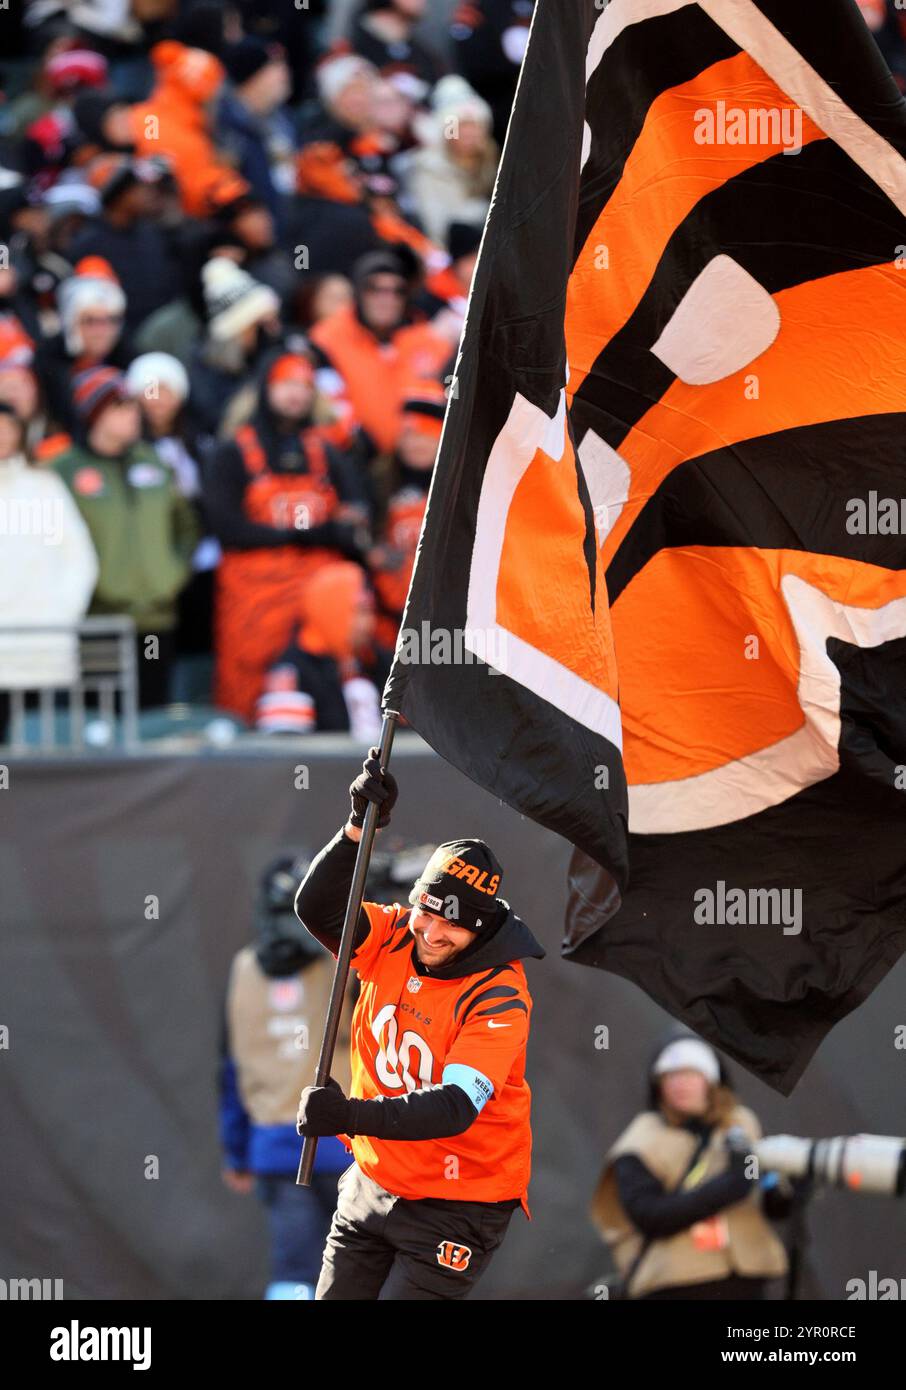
103	698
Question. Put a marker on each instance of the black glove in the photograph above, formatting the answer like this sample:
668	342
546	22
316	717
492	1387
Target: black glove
323	1110
372	784
739	1151
349	538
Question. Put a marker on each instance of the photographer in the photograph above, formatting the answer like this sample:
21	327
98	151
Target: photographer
276	999
675	1200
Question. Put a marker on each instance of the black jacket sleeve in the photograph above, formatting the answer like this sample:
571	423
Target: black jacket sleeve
435	1112
324	891
658	1214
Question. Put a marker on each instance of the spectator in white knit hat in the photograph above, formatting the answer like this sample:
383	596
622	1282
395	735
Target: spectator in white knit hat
345	85
243	324
92	307
451	178
160	384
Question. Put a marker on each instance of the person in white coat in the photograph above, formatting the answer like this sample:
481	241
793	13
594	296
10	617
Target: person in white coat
48	570
451	177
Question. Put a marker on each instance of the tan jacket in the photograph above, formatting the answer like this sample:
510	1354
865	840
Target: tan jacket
738	1240
275	1028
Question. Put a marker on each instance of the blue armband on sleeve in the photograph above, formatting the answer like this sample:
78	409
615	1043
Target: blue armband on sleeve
476	1086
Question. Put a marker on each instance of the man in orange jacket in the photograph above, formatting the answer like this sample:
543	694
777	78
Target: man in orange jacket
439	1115
375	346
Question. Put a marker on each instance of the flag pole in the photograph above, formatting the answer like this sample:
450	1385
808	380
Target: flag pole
344	955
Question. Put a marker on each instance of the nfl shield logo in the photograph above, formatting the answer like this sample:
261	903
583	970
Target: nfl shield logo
414	984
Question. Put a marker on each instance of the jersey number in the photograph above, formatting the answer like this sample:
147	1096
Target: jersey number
391	1058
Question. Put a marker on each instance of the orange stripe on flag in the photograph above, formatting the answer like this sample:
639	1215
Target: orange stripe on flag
840	353
666	174
542	560
692	698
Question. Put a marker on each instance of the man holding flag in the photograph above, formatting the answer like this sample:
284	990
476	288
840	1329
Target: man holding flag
438	1120
679	387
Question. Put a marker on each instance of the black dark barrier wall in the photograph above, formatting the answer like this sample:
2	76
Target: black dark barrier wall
113	1021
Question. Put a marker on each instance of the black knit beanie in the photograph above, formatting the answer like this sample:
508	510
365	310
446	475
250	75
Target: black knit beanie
461	882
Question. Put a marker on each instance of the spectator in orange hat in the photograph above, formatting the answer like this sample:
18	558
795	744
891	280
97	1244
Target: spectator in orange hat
282	503
176	121
393	558
17	348
92	309
20	390
325	679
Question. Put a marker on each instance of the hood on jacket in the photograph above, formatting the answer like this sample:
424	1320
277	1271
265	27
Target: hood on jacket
190	74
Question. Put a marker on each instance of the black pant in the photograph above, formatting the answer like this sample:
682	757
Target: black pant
154	671
385	1247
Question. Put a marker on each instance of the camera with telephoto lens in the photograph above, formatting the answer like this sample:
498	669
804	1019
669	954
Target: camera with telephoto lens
873	1163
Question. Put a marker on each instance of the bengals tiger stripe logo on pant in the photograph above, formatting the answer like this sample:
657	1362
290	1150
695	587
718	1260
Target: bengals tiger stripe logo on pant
453	1256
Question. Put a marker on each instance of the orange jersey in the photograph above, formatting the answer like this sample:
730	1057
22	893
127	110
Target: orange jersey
411	1031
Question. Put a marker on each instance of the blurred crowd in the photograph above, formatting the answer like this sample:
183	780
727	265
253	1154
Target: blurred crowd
236	246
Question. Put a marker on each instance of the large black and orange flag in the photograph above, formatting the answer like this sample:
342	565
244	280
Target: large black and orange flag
682	388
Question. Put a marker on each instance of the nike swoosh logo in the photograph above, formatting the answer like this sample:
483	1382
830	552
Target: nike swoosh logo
492	1024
